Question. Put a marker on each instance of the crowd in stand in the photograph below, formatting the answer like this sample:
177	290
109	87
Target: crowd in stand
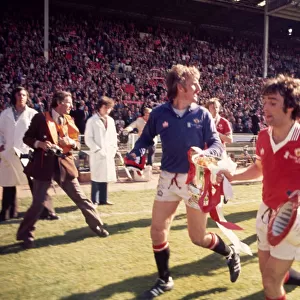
91	57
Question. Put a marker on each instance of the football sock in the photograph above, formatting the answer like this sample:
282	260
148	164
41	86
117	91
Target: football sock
280	298
218	245
292	277
162	255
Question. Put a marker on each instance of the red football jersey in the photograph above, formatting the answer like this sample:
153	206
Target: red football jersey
280	165
223	127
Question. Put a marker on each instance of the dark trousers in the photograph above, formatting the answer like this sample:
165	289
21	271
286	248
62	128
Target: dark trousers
99	192
150	155
72	189
48	204
9	203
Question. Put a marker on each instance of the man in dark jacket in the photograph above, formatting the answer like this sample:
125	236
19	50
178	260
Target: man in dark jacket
53	136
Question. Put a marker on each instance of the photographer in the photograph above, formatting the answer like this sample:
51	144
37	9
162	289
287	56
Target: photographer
53	135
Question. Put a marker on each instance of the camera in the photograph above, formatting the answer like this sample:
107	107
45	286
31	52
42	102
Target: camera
55	150
28	156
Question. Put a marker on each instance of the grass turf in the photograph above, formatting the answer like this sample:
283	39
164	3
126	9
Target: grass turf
69	262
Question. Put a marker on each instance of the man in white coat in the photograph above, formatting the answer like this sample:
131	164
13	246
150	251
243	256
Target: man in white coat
101	137
14	122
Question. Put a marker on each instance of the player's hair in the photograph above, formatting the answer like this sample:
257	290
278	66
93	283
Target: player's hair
213	101
59	97
178	75
104	101
146	110
18	89
289	89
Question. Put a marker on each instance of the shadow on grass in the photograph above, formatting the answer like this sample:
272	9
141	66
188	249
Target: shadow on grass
58	210
233	217
121	228
203	293
206	266
261	296
256	296
241	216
12	221
66	209
75	235
71	236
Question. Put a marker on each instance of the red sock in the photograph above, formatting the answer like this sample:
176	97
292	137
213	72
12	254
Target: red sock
214	241
280	298
161	247
286	277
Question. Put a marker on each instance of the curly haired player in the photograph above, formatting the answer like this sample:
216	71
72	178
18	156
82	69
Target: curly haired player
278	160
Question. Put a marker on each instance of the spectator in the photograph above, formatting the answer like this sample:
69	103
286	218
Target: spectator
101	137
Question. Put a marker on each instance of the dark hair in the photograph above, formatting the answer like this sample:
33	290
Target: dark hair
59	97
289	89
78	105
18	89
104	101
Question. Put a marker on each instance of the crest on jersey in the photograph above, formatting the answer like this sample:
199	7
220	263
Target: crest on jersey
297	152
160	193
196	121
165	124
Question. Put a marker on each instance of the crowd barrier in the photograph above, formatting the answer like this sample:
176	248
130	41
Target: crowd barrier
242	150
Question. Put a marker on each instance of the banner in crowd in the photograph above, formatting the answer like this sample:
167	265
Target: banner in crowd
129	88
132	102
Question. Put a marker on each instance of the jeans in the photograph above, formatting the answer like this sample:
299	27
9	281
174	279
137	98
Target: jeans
99	192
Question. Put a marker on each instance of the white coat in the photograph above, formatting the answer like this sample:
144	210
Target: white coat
11	136
103	147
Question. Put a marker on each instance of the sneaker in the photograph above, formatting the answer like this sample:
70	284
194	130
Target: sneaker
225	200
234	265
159	288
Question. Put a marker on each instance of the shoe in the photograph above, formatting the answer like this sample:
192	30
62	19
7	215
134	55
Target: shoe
15	216
225	200
28	243
234	265
50	217
159	288
3	219
101	232
106	203
53	217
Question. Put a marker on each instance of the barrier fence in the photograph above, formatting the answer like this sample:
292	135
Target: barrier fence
241	150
